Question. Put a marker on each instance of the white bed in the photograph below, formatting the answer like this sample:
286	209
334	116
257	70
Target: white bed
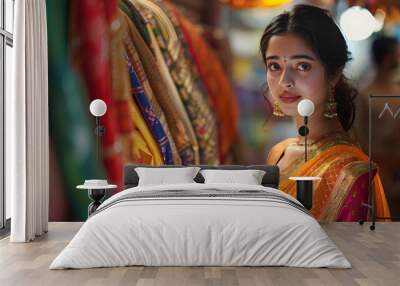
250	225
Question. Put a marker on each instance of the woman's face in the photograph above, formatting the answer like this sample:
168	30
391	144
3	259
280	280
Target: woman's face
294	72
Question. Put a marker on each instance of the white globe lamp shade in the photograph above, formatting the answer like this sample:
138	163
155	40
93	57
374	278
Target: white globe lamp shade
305	107
98	107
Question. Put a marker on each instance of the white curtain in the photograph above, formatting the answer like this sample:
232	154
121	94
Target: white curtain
27	139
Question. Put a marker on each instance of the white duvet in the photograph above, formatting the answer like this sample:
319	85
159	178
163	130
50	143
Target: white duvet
200	231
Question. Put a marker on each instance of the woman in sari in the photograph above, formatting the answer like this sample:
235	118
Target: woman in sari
305	54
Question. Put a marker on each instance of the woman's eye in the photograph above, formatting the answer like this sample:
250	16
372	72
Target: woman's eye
273	67
304	67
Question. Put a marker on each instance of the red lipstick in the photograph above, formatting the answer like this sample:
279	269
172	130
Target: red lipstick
287	97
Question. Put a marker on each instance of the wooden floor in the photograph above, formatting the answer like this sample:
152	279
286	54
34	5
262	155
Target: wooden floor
374	255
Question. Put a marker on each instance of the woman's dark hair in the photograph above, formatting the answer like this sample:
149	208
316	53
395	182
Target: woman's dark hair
320	32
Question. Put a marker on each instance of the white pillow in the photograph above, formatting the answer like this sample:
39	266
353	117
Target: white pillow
162	176
248	177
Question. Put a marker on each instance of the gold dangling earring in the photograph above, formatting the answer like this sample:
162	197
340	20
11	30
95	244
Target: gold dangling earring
277	110
331	105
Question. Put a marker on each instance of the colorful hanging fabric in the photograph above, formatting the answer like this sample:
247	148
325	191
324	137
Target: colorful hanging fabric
161	127
149	107
70	127
218	86
185	79
137	148
143	149
161	83
90	38
149	115
136	19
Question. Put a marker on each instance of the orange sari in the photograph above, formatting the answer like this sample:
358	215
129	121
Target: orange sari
343	187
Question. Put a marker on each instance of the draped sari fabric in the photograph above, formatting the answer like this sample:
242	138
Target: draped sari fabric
149	115
343	169
169	39
137	144
151	110
162	87
70	126
218	86
90	38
